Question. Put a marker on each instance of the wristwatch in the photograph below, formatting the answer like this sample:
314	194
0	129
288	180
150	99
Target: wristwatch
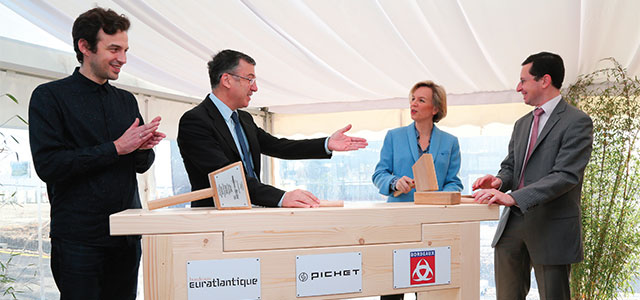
392	185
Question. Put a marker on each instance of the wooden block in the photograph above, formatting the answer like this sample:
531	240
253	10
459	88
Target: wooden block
468	199
424	174
437	198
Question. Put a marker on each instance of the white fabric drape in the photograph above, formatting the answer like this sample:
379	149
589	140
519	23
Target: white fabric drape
327	53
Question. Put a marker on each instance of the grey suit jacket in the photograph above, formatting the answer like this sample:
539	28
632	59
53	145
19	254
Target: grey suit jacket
550	198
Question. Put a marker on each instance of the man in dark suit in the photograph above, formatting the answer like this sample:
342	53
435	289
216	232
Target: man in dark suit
540	226
216	133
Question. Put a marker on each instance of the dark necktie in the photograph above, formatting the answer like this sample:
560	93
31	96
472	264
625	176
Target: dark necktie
246	155
532	141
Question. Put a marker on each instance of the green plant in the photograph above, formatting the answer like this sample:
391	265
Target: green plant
14	116
4	146
610	194
7	282
5	150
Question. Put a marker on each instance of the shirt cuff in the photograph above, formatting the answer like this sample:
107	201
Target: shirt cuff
326	146
280	202
501	183
514	199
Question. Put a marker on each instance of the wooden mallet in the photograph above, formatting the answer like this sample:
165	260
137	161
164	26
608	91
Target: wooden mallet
212	193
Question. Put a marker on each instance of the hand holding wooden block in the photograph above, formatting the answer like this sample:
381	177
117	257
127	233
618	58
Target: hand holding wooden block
398	193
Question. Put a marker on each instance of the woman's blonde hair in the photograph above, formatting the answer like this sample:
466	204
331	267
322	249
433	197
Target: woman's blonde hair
439	97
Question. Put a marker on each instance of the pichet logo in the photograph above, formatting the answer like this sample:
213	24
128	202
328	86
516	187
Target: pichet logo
422	267
304	276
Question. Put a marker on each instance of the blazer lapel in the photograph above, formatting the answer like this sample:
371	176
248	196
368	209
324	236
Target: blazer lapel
434	147
412	141
220	125
521	143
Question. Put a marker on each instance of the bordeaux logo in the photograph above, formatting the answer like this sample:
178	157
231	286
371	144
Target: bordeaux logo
303	276
422	267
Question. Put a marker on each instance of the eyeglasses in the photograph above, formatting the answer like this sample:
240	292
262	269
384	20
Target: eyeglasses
251	80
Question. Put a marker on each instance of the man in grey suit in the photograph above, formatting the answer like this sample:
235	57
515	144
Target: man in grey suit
540	225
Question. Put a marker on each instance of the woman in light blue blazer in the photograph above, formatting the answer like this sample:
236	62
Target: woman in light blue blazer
403	146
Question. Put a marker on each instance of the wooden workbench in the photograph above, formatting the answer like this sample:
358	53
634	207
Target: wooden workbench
172	237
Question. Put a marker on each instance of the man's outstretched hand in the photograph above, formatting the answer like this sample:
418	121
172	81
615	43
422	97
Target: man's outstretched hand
341	142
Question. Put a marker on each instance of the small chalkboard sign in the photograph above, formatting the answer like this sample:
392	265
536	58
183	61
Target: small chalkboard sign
230	187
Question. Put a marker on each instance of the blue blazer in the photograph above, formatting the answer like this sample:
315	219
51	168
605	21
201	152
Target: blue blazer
400	151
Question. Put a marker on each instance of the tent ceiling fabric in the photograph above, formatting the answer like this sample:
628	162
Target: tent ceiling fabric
321	54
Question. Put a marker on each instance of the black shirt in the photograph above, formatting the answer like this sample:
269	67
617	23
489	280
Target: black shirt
72	125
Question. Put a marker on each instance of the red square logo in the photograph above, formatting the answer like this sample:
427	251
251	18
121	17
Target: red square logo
422	267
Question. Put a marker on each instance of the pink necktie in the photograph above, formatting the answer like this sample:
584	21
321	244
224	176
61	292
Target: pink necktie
532	141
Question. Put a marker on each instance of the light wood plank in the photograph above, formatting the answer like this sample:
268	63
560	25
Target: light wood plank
437	198
188	220
448	294
325	236
470	255
333	203
157	266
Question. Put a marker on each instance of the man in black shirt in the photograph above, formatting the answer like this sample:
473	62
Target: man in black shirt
88	141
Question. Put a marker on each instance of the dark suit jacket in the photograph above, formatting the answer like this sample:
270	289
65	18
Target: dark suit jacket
550	198
207	145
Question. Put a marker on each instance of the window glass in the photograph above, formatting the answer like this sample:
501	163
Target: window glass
346	176
25	246
169	172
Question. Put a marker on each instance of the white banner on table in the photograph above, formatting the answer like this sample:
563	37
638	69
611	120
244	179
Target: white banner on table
421	267
328	274
229	279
